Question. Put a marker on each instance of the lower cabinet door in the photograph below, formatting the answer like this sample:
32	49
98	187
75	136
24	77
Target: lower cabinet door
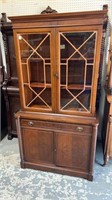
37	145
73	150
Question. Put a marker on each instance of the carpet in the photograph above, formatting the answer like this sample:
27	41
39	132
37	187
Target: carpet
27	184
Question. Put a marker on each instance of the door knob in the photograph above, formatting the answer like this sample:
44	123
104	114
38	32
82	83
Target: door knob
56	75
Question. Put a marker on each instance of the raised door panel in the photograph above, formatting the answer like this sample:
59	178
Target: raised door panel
37	145
73	150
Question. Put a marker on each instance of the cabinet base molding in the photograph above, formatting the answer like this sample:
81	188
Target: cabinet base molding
59	170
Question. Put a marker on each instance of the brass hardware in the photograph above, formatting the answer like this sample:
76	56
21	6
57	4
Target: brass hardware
56	75
79	128
30	123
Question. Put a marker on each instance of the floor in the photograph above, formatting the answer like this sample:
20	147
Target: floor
27	184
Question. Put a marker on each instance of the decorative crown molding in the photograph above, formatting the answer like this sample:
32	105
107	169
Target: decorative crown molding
48	10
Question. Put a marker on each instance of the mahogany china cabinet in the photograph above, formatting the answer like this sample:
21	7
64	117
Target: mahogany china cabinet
58	57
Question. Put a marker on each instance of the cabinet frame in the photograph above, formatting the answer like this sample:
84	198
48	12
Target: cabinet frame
55	66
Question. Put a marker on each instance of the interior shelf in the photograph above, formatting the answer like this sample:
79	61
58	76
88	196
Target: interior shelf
76	86
38	85
38	106
89	59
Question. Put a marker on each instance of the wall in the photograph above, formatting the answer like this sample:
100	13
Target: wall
27	7
23	7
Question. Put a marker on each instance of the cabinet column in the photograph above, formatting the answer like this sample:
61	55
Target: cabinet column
20	140
93	150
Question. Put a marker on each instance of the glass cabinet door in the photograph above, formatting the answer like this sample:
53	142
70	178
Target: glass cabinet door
77	55
35	62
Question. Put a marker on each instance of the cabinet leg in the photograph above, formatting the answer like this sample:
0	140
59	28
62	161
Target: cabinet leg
90	177
106	159
10	136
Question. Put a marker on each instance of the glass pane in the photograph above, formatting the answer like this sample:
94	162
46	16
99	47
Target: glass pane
77	38
76	70
68	102
44	49
77	50
33	40
36	69
48	74
66	48
44	99
84	99
28	94
89	75
77	100
87	50
63	74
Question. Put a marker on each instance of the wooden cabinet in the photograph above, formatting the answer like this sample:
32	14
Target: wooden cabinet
3	123
10	88
67	148
108	142
58	59
107	137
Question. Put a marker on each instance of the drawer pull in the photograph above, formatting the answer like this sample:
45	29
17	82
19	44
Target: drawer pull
30	123
79	129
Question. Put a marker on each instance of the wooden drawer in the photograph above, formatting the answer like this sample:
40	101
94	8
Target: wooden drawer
54	126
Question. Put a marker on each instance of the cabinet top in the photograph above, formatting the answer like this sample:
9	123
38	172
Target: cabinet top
57	19
58	117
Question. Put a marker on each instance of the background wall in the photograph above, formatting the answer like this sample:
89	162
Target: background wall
23	7
27	7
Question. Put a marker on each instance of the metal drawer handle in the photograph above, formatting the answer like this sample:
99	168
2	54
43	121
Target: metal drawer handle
79	128
30	123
